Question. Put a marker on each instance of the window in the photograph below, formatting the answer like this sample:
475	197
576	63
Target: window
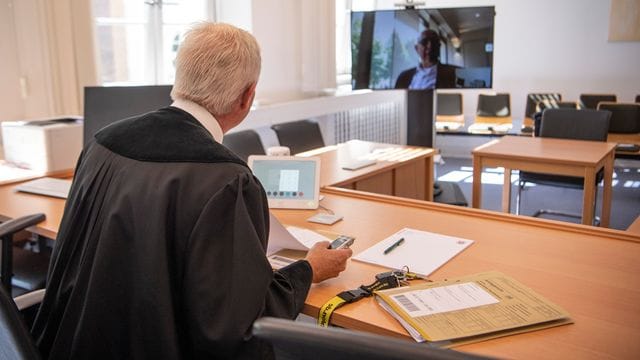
137	40
343	42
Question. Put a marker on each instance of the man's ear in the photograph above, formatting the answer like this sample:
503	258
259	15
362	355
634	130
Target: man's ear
247	96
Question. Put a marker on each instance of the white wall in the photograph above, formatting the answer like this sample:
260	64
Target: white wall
276	25
10	94
297	39
47	57
561	46
540	45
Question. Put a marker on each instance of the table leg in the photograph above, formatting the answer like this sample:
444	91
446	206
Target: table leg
428	179
588	196
606	192
476	195
506	191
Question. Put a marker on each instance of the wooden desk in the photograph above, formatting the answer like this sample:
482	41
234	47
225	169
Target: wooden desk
15	204
634	228
591	272
551	156
405	171
625	139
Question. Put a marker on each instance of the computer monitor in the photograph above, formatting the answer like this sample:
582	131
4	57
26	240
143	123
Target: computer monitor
104	105
388	45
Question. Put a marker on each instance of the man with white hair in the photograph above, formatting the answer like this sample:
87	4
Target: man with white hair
161	249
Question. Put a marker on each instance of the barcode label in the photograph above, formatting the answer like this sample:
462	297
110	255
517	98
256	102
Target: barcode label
407	304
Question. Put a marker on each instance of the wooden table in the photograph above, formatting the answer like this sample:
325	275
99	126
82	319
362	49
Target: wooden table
552	156
626	139
405	171
15	204
634	228
591	272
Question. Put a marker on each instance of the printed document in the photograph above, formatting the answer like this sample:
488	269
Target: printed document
470	309
443	299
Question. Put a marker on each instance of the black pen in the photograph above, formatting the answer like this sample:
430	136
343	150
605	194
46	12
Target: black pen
393	246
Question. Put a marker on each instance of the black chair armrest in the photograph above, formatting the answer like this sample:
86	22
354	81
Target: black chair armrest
12	226
7	229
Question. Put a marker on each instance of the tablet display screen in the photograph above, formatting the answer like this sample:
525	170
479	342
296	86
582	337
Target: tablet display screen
287	179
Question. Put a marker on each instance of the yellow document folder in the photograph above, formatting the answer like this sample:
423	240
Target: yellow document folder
470	309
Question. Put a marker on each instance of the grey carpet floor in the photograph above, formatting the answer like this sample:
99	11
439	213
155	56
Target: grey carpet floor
625	203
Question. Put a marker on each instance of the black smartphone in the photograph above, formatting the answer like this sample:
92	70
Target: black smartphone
343	241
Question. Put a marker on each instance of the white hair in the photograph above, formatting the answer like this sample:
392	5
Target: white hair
215	64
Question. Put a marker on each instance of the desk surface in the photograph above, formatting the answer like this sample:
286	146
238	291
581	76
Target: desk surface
578	158
548	150
399	170
14	204
387	156
590	272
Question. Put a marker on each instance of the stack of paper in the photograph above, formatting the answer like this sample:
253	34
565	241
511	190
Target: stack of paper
286	245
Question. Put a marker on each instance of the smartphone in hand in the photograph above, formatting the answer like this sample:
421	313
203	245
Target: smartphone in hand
341	242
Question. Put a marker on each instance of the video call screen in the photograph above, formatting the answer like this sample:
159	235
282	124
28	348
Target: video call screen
385	52
287	179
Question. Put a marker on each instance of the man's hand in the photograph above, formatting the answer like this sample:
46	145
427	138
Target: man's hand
327	263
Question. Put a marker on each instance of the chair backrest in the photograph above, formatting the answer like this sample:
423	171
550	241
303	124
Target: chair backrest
449	104
497	105
548	100
590	101
15	340
567	104
299	136
244	143
638	98
575	124
625	118
297	340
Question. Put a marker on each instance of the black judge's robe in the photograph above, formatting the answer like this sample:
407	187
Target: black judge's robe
161	250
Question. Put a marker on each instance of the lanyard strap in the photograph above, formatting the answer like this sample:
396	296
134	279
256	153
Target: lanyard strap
385	280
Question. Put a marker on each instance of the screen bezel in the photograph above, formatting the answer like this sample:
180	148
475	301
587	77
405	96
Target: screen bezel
292	203
492	42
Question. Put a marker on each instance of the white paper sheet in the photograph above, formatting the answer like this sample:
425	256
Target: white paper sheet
423	252
306	237
290	238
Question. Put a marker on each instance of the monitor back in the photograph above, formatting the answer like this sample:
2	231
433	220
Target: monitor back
104	105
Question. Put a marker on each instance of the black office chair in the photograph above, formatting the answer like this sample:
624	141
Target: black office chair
299	136
537	102
591	101
625	118
244	143
493	113
296	340
15	340
22	270
590	125
449	114
638	98
449	193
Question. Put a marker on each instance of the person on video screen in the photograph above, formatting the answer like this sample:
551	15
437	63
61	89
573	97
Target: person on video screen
429	74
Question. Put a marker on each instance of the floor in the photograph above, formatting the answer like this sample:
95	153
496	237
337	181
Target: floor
625	205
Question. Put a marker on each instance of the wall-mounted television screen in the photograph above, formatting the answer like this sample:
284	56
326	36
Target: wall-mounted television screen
422	48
